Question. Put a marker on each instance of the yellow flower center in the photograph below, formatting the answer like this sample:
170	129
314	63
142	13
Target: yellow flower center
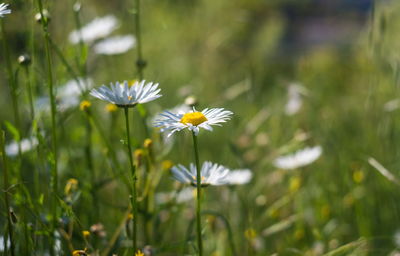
111	107
129	97
194	118
202	178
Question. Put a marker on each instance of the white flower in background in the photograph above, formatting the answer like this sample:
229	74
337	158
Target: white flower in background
295	99
115	45
4	10
26	145
96	29
396	238
67	95
392	105
192	120
125	95
239	177
185	195
298	159
211	174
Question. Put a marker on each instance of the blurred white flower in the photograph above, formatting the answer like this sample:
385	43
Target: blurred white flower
185	195
4	10
392	105
96	29
124	95
115	45
26	145
192	120
295	99
239	177
298	159
2	242
211	174
67	95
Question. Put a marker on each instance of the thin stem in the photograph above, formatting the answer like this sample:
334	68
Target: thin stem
140	63
30	94
6	187
133	172
44	22
198	185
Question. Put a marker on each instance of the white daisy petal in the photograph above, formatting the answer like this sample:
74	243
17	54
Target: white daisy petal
96	29
239	177
26	145
192	120
124	95
211	174
298	159
115	45
4	10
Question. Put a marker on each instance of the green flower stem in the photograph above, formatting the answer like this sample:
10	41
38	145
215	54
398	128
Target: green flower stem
30	93
6	187
198	185
90	165
54	173
133	172
140	63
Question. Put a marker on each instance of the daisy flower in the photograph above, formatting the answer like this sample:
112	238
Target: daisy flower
239	177
96	29
124	95
295	99
193	120
298	159
115	45
4	10
211	174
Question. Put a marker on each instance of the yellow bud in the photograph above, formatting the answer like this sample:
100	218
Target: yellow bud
138	156
148	143
139	253
86	233
250	233
294	184
358	176
132	82
71	186
167	164
111	107
85	105
79	252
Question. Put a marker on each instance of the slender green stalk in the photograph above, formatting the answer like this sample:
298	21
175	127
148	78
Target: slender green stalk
140	62
45	23
6	187
198	185
133	171
30	93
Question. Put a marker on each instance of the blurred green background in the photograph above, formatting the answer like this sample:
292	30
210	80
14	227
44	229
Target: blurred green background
242	55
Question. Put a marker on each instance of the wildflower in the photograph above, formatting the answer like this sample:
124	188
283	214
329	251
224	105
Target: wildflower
111	107
300	158
26	145
211	174
250	233
138	154
4	10
358	176
185	195
96	29
85	105
167	164
193	120
24	60
124	96
71	186
115	45
239	177
86	233
98	230
79	252
139	253
148	143
294	184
